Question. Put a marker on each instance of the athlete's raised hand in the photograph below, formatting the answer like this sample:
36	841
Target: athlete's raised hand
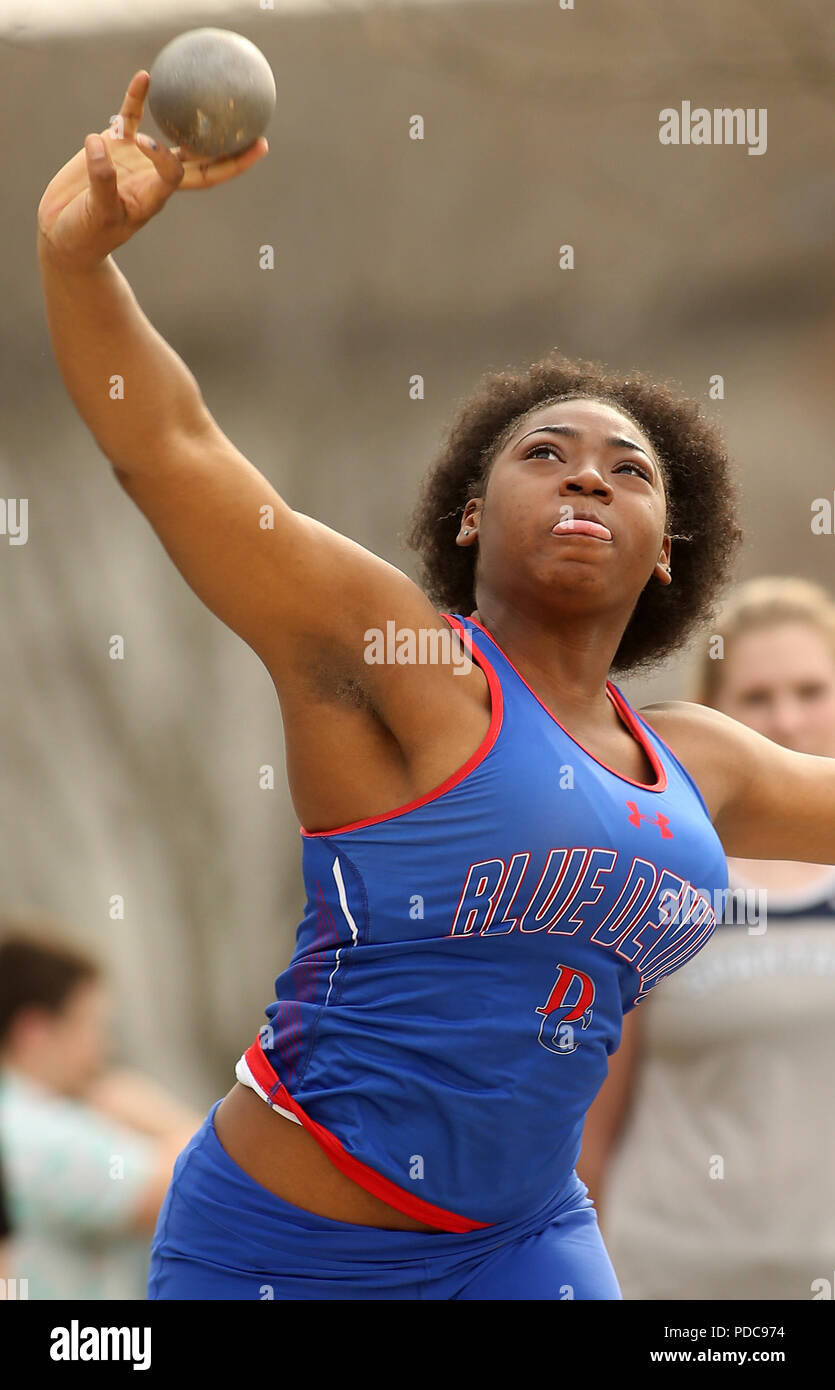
119	180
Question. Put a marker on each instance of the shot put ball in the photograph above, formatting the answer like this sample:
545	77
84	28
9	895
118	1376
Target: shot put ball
212	92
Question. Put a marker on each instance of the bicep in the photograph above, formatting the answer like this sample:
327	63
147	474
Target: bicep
274	576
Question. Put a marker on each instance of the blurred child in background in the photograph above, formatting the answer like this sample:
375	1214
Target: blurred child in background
87	1151
5	1226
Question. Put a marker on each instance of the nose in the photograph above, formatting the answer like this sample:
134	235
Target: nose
586	478
785	722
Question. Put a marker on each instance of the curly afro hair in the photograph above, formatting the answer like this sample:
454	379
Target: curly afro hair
701	496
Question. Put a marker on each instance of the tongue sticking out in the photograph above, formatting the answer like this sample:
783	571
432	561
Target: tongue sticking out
583	528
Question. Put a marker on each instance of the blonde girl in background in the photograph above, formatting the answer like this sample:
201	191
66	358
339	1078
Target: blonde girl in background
709	1149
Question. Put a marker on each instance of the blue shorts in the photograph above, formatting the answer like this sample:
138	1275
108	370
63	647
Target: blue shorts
221	1235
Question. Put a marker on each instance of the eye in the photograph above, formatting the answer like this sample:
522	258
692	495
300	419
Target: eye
756	697
537	448
812	690
638	468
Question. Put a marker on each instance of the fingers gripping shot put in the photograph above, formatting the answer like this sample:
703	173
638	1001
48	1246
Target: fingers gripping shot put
117	182
408	1122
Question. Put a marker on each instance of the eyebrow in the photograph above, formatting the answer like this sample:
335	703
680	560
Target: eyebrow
615	441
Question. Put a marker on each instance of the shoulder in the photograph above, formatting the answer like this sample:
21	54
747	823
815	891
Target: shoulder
36	1122
686	717
705	736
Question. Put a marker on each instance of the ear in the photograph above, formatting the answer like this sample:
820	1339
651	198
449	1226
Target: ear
662	564
468	531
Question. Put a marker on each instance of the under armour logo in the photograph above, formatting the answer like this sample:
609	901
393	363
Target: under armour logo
662	822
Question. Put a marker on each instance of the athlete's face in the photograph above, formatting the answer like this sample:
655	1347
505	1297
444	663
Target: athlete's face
780	680
577	457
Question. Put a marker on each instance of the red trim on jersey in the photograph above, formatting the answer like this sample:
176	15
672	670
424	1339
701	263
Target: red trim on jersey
636	728
360	1173
626	716
472	762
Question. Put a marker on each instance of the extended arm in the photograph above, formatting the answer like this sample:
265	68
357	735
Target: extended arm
276	577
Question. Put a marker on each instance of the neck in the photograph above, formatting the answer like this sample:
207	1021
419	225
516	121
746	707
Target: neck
569	658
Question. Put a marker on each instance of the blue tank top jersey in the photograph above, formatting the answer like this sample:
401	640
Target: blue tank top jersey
464	963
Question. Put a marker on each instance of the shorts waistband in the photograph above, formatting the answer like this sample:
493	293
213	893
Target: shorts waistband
226	1195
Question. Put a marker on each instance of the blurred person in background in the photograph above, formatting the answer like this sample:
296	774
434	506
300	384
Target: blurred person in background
709	1149
5	1226
87	1150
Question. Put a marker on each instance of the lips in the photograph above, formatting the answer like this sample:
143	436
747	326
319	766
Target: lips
580	526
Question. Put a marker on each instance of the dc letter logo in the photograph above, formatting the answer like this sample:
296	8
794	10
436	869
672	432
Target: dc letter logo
567	1008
